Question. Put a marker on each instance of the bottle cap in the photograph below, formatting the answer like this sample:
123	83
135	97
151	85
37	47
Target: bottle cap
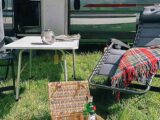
90	99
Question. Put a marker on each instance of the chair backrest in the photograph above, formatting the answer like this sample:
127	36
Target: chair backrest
151	14
1	26
148	33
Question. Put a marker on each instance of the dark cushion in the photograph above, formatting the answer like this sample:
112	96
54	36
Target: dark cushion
146	42
108	69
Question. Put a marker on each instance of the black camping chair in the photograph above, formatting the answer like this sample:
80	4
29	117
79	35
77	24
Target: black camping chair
148	34
6	58
6	63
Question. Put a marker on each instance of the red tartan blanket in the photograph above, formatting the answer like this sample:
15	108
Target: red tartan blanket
136	64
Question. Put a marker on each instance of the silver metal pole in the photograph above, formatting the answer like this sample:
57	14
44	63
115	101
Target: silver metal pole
30	64
74	64
65	65
18	73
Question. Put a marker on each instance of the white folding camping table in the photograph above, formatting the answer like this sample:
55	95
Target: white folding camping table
35	43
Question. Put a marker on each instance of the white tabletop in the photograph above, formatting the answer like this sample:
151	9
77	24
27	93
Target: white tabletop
35	42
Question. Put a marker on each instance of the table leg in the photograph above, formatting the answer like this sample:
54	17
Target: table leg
65	69
65	66
18	73
30	64
74	65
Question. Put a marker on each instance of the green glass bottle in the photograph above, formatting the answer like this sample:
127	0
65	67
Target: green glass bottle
90	110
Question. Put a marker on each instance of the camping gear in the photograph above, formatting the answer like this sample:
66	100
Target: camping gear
67	99
148	35
6	62
6	59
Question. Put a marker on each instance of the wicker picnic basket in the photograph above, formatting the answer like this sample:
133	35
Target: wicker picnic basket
67	99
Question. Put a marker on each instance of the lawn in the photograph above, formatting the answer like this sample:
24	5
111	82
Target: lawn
34	104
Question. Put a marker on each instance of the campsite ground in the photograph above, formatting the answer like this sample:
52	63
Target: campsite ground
34	103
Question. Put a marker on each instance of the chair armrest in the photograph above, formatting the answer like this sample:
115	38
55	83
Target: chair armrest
8	40
118	42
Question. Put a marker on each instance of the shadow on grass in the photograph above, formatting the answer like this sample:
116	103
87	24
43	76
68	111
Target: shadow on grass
7	101
55	73
104	99
45	117
43	67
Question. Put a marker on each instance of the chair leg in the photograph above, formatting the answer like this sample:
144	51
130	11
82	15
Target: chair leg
153	88
13	75
10	63
124	90
7	70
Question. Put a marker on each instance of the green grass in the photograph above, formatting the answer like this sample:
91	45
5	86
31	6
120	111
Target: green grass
34	104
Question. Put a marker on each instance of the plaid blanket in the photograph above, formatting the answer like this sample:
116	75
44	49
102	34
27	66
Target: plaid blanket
136	64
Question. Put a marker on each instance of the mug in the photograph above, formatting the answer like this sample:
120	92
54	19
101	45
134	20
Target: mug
48	37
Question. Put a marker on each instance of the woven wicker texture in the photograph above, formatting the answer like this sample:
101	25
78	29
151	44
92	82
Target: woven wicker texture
67	99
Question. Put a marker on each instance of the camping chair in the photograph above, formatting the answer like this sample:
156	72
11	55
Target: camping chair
6	62
6	59
148	34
